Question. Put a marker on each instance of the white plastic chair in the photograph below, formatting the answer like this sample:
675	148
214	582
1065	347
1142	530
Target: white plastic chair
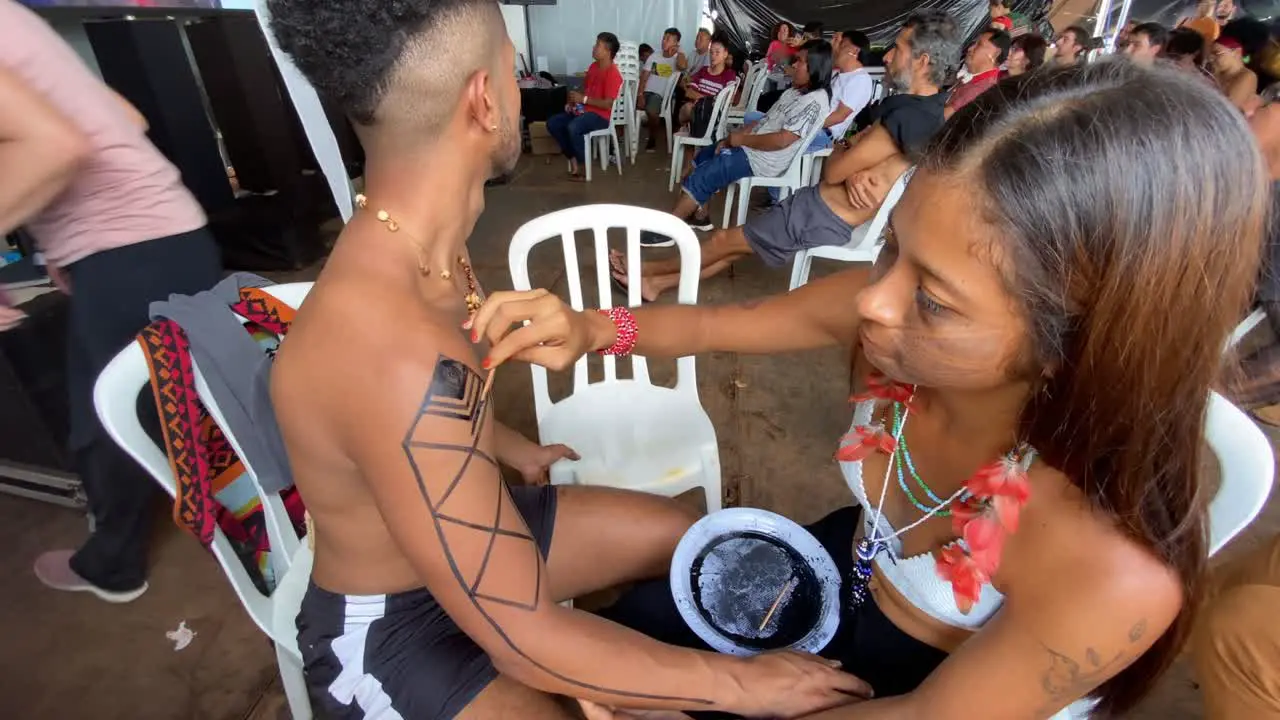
754	87
665	111
879	88
608	137
811	165
115	396
1246	471
864	244
787	183
630	433
714	130
1246	326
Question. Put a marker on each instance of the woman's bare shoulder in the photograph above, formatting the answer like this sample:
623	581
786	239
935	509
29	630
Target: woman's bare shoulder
1065	544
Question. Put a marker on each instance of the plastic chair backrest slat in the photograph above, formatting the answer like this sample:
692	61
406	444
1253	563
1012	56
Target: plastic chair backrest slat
877	225
719	112
1246	466
599	219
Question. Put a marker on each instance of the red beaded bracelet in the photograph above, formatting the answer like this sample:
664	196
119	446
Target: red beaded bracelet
627	331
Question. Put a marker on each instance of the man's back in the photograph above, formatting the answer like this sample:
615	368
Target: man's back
318	386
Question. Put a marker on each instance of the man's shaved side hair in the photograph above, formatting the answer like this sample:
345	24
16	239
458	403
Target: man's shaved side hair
398	63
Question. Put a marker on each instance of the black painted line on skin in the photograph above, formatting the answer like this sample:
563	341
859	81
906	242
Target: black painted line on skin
493	537
407	445
444	446
483	528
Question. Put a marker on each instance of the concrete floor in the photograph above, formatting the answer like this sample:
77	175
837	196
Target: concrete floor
777	417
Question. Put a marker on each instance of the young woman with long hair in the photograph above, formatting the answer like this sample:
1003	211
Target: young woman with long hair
1032	355
782	44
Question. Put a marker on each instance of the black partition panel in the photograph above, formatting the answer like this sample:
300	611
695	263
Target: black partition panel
248	101
146	61
748	23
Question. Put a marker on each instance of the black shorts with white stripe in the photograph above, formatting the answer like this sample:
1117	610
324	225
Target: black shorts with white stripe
387	657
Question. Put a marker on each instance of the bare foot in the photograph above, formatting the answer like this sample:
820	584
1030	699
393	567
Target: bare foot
618	262
648	292
577	177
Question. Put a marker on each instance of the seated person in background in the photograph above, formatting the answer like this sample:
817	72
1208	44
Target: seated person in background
765	149
1236	645
591	109
983	59
1145	43
1026	53
783	45
852	88
1188	51
656	75
1004	18
1237	82
435	589
709	81
988	333
701	56
1071	45
1257	387
927	45
644	51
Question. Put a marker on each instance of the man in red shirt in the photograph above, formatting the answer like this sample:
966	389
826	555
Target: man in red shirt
983	60
590	109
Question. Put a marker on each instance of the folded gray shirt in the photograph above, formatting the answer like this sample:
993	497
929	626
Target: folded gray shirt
237	372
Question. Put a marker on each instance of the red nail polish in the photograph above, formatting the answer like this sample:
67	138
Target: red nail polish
487	362
475	337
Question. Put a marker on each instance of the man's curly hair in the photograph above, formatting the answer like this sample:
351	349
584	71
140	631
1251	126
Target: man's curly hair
350	49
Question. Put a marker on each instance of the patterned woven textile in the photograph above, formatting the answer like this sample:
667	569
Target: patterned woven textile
213	490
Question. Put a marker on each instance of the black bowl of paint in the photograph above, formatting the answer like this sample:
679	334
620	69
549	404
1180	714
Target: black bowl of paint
748	581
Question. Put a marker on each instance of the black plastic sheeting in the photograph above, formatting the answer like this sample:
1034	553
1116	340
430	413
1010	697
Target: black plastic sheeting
1169	12
749	23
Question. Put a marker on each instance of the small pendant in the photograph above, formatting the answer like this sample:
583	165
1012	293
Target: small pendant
445	275
860	577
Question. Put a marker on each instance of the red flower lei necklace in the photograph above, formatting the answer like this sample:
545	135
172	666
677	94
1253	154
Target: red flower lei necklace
983	512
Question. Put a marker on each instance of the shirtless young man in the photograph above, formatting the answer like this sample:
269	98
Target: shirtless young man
855	179
435	589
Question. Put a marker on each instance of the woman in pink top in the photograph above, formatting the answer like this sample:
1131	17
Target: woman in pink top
783	46
118	231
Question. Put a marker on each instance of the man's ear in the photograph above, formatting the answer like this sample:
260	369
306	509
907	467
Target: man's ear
481	100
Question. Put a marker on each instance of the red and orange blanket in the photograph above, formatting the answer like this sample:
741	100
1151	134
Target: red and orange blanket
213	489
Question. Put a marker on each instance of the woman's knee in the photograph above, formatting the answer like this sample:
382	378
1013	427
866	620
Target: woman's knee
1238	619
